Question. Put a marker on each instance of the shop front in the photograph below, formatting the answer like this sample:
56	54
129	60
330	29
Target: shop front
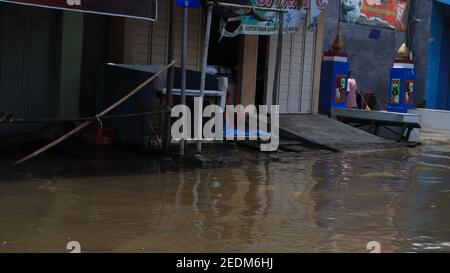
64	56
248	59
50	54
28	62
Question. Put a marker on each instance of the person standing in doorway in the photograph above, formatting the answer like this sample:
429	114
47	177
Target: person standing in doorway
351	91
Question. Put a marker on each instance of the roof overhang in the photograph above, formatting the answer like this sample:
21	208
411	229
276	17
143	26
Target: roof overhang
140	9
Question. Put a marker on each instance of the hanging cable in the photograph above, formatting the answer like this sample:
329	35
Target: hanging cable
94	118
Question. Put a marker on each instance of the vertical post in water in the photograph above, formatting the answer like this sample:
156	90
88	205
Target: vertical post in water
203	77
183	72
276	81
170	77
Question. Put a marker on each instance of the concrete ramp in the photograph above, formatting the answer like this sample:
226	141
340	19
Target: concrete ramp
328	133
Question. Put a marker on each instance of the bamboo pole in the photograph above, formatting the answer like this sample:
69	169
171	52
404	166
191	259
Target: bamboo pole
228	5
170	76
277	76
203	76
184	41
48	120
87	123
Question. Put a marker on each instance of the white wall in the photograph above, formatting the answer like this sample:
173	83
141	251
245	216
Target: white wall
433	121
296	75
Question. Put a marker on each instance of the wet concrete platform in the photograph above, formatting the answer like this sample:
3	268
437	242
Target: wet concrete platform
389	125
328	133
384	116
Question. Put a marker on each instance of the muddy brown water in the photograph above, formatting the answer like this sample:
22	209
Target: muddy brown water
244	202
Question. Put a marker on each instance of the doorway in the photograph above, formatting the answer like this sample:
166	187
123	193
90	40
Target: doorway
223	57
243	59
222	51
261	71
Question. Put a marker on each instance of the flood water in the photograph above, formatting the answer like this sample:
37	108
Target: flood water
244	202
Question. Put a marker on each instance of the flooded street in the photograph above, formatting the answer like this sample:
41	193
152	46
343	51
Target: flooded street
244	202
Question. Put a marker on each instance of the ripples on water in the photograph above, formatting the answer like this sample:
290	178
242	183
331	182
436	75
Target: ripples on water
251	203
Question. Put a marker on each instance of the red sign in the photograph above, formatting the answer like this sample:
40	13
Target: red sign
142	9
387	13
391	13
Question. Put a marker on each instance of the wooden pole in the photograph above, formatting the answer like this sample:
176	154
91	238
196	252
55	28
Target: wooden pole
203	77
183	71
228	5
87	123
170	76
276	80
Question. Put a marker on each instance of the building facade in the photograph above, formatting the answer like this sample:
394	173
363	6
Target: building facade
48	62
371	59
251	57
51	60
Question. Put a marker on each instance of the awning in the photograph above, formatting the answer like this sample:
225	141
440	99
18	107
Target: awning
141	9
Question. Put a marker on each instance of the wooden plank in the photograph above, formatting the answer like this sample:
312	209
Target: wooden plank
326	132
318	64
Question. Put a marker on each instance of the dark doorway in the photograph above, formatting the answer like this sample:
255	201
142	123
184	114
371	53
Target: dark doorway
222	52
95	43
261	73
223	57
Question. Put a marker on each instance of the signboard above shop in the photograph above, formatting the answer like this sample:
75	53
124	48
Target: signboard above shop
379	13
141	9
266	22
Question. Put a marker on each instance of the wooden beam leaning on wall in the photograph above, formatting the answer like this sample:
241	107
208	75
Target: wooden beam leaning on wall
87	123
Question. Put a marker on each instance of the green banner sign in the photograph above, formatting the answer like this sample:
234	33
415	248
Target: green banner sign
266	22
